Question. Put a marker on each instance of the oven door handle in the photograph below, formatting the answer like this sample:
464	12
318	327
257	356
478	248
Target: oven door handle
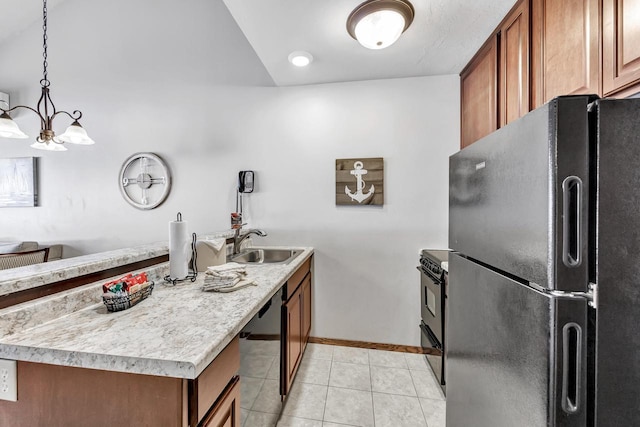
431	336
435	282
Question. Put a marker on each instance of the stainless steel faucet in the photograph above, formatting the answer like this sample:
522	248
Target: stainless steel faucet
238	239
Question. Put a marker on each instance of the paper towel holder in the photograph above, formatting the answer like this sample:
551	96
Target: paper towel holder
193	274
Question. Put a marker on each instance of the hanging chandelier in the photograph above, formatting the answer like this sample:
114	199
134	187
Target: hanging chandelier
46	110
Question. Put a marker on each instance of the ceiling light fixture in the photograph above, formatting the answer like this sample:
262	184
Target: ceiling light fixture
46	110
377	24
300	58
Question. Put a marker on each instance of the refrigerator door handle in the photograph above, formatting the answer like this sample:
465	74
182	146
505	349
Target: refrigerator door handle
571	367
572	221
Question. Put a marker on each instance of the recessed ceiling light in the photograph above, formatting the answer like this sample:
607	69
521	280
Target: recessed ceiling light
300	58
377	24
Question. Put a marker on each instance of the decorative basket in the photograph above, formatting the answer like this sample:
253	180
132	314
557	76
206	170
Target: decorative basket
128	301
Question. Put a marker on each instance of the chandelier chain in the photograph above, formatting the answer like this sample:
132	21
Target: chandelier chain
45	81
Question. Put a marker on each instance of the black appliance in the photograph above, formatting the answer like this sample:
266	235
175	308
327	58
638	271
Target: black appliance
544	219
433	296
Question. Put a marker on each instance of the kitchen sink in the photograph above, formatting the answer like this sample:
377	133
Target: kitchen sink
265	256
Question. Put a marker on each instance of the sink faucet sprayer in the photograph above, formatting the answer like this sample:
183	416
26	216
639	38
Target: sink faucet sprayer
238	239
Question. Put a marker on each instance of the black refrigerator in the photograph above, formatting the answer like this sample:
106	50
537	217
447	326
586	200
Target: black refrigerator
544	281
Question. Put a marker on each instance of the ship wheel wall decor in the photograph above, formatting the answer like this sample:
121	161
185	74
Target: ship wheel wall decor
145	180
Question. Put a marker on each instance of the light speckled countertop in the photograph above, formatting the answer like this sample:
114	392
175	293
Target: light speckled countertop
176	332
32	276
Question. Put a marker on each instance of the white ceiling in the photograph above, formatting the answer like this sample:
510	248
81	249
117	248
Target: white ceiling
16	15
442	39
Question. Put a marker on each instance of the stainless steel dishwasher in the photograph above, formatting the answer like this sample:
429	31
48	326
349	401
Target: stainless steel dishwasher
261	361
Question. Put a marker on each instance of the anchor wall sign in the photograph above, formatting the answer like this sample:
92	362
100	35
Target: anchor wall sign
360	181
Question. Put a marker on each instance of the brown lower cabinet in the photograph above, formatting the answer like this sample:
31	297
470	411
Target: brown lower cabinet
226	413
296	315
50	395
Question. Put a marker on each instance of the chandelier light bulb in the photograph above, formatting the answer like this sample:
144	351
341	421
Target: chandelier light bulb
9	128
75	134
48	146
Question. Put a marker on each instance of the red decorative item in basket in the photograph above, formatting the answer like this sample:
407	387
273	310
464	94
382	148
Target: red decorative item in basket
126	291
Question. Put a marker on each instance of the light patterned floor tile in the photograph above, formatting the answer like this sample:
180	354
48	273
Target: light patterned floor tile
319	351
268	399
352	407
427	385
314	371
389	359
391	410
350	375
255	366
392	380
261	419
417	362
286	421
306	401
351	355
249	389
434	412
244	413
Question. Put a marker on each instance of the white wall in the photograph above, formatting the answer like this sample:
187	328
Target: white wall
184	83
367	285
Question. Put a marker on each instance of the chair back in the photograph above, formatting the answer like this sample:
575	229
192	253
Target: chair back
21	259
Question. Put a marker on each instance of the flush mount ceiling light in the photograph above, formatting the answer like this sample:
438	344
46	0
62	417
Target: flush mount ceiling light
377	24
46	110
300	58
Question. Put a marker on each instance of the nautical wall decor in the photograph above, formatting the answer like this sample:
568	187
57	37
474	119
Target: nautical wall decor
360	181
18	182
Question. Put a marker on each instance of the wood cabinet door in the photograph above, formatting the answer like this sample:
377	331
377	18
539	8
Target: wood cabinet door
294	335
565	48
226	412
306	310
479	94
514	64
620	45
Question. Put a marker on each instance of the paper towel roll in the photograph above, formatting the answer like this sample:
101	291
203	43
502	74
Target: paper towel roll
178	250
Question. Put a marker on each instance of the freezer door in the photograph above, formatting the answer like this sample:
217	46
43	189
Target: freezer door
618	268
515	356
518	198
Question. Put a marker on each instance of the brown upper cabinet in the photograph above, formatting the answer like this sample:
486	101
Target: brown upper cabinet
547	48
514	64
479	94
620	46
495	84
565	48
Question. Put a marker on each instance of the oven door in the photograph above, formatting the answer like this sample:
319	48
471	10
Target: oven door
431	307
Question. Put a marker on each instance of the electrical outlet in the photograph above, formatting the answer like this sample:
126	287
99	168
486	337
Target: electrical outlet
8	380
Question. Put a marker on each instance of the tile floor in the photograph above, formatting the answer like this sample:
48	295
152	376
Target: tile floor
344	386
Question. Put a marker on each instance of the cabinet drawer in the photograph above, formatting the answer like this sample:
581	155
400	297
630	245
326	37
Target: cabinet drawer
213	380
296	278
226	413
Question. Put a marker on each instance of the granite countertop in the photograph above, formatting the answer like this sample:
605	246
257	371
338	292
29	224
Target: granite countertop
32	276
176	332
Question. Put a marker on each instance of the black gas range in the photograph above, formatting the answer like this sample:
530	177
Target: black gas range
433	295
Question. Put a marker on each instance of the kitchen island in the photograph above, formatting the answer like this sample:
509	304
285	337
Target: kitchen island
175	334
